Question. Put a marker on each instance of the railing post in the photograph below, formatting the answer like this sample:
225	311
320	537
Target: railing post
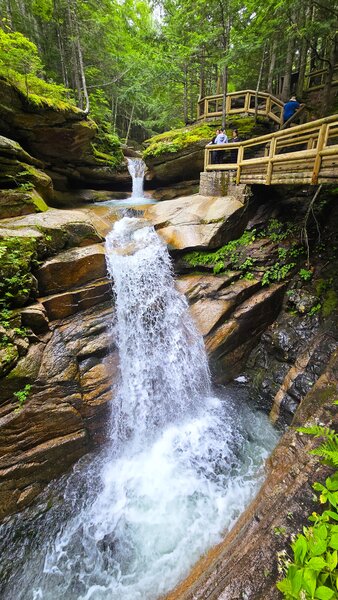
272	151
268	105
228	104
206	107
206	158
240	155
247	102
322	136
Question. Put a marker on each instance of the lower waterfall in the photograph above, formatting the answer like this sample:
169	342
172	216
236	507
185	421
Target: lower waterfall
183	462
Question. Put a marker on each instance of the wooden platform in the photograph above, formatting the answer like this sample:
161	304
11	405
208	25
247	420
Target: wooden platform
305	154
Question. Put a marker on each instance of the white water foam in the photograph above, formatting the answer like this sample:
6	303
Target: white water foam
183	463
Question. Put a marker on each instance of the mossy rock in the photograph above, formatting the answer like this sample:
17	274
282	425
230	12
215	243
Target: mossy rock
14	203
171	142
9	356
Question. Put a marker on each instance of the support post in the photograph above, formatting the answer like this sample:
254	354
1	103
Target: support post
240	155
322	137
272	151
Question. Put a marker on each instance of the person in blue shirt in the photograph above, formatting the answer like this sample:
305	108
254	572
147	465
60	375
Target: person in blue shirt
290	108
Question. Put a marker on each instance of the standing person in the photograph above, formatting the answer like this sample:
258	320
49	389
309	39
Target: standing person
290	108
234	152
221	138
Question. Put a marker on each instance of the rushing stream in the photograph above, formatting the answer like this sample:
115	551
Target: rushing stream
183	461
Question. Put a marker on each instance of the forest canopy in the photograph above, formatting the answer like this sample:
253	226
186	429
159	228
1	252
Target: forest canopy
139	67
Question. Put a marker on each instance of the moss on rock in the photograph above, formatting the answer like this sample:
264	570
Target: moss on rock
173	141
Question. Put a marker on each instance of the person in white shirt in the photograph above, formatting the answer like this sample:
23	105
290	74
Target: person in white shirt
221	138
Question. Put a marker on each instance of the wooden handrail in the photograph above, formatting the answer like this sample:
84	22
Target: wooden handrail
247	97
316	73
305	153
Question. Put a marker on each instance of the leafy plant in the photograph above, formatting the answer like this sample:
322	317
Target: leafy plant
305	274
313	572
22	395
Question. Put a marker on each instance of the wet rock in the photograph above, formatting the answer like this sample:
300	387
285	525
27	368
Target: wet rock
185	188
72	268
229	344
245	564
35	317
302	300
60	306
198	221
66	411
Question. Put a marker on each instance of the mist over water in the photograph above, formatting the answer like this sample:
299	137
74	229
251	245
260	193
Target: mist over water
183	461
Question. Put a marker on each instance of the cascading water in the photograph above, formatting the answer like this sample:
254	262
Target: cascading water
182	463
136	168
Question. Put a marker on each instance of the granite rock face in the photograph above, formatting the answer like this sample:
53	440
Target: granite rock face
195	222
60	345
61	137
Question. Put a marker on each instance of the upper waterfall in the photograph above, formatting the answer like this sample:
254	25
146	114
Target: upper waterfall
136	168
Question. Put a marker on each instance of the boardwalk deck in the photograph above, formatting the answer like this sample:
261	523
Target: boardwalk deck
305	154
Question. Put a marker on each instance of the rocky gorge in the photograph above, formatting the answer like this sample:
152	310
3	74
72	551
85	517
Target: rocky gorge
265	315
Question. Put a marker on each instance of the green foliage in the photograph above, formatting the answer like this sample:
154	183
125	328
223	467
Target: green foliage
313	571
229	256
21	65
277	272
17	256
305	274
22	395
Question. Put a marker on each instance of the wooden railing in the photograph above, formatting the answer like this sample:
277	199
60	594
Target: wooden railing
305	154
315	80
241	102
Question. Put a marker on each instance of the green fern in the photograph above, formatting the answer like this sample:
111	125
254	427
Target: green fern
328	449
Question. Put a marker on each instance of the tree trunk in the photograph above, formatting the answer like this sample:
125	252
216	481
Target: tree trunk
129	124
259	81
76	83
286	90
272	65
224	92
9	13
303	55
62	57
329	75
202	76
185	94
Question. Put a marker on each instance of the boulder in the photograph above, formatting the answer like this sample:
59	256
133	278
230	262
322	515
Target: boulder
16	203
56	229
198	221
183	165
71	268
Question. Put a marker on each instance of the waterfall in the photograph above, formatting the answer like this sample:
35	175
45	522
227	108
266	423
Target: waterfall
182	464
136	168
164	367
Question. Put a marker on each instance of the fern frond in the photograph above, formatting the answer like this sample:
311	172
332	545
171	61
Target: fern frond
318	431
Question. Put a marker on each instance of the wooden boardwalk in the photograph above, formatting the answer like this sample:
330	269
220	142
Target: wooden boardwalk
304	154
239	103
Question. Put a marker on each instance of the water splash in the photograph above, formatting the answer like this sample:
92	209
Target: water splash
164	368
182	465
